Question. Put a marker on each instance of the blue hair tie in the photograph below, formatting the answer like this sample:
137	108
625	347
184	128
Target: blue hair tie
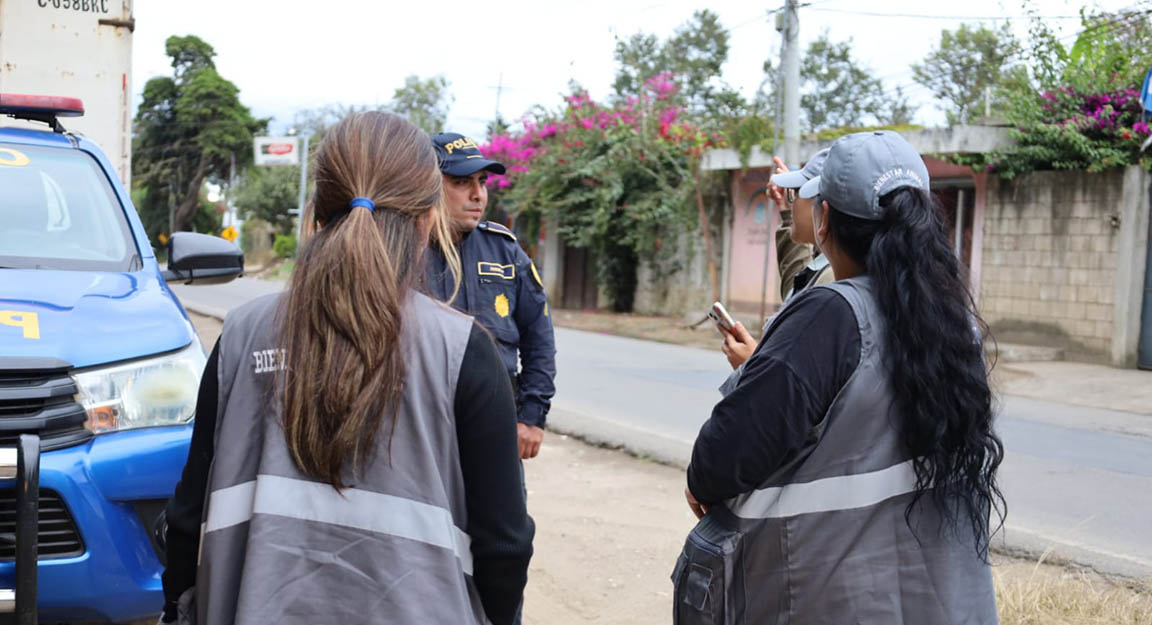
363	201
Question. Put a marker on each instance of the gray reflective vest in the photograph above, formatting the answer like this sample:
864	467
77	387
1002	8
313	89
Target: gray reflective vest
280	547
825	540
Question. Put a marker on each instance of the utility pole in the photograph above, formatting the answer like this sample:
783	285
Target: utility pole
499	89
787	115
303	200
790	70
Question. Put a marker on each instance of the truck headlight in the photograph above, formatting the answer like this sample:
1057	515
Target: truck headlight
143	393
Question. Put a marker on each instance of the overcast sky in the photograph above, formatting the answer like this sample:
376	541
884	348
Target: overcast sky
288	55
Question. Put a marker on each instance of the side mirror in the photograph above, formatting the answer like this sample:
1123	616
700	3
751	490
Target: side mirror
202	259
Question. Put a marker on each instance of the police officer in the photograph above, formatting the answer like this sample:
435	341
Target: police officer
500	286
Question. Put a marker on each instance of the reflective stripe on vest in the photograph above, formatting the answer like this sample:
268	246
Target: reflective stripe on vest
361	509
844	492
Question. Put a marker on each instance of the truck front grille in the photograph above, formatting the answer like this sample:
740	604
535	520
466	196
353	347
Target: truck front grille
38	396
58	535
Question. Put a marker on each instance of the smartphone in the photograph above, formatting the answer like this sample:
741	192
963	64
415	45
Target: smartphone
720	315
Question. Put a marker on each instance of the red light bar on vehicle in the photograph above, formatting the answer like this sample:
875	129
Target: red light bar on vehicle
40	105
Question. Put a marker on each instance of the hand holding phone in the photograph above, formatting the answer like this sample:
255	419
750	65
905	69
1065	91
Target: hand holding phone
720	316
738	345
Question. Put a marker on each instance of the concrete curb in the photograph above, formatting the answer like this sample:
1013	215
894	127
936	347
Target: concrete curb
638	442
1019	542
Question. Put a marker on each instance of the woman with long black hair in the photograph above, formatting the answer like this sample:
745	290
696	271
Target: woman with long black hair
851	475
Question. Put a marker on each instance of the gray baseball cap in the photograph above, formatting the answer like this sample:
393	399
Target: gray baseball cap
796	178
810	189
863	167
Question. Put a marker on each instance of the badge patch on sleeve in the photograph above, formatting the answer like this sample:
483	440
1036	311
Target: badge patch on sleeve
485	268
501	305
536	274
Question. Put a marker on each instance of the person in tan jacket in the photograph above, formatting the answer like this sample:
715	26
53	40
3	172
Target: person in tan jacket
800	265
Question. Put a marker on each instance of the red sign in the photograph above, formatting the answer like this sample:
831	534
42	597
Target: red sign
276	151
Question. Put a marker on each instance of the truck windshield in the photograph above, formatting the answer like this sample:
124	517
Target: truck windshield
58	211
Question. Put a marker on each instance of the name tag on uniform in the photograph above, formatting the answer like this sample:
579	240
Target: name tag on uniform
485	268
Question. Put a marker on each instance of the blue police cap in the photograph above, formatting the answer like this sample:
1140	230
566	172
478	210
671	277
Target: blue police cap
459	156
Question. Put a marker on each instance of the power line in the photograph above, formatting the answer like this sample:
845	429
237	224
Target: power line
798	6
753	20
975	18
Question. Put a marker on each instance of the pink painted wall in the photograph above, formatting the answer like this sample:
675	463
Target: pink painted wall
753	227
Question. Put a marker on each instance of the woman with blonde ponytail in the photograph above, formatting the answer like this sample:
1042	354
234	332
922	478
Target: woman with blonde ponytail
354	457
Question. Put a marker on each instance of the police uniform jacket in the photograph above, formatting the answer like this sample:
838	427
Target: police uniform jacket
502	290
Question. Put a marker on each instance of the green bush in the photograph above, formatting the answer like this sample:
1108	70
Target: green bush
1081	108
284	246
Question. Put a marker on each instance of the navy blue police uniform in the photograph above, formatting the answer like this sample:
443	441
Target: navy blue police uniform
501	288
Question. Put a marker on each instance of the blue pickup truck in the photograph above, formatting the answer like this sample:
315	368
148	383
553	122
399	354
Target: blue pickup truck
99	370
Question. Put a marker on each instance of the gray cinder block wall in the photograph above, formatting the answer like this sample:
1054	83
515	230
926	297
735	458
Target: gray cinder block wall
679	285
1063	260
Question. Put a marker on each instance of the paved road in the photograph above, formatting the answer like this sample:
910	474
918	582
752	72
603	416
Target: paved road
216	300
1078	480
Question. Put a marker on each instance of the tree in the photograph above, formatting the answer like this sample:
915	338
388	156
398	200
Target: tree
188	130
898	111
424	102
692	59
693	55
188	54
1111	50
1078	107
267	193
836	90
968	66
498	126
638	59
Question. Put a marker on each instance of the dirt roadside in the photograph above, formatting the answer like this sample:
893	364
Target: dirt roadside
608	530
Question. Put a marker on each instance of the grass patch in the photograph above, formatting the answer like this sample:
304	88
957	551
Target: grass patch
281	272
1033	593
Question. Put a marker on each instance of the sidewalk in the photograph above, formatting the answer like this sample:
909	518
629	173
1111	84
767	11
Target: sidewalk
1073	383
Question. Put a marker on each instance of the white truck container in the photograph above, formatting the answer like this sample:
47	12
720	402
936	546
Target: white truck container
80	49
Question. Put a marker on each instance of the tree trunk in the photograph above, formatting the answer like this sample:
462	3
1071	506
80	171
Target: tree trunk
186	211
706	230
